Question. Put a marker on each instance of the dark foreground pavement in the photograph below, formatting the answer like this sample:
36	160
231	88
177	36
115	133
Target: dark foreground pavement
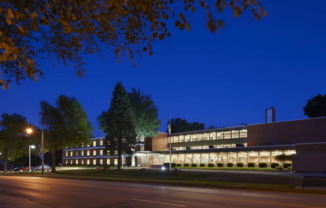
48	192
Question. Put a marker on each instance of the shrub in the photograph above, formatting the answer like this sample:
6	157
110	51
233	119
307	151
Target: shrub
287	165
251	165
230	165
186	165
240	165
202	165
179	165
194	165
279	168
263	165
274	165
220	165
210	165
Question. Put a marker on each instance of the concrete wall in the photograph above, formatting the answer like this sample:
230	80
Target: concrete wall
288	132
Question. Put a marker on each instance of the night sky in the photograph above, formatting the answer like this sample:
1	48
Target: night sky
222	79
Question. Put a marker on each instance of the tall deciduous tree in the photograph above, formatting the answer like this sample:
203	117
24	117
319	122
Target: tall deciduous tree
34	29
145	114
117	123
66	124
13	140
316	106
182	125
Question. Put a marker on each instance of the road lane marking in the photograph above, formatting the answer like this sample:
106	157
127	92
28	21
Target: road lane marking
157	202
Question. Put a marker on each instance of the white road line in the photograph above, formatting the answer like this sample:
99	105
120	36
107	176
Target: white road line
157	202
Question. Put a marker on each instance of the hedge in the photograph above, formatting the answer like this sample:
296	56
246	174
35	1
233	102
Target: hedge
263	165
251	165
202	165
210	165
179	165
194	165
287	165
230	165
220	165
274	165
186	165
240	165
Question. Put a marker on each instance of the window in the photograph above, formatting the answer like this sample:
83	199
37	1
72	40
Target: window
82	153
235	133
206	136
219	135
71	162
199	137
66	162
101	152
187	138
94	152
71	153
176	139
101	142
88	152
88	145
76	162
88	162
76	153
66	153
82	162
181	138
108	161
243	133
194	137
212	136
94	162
94	143
227	135
101	161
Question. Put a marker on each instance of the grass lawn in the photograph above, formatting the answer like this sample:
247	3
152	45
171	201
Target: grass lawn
230	168
202	179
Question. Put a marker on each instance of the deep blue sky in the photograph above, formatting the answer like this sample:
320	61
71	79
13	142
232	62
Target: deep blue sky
221	79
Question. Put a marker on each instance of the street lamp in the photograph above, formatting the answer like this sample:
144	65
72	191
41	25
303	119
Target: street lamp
30	147
29	130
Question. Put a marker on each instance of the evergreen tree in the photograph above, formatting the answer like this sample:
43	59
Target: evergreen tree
117	123
182	125
145	114
65	125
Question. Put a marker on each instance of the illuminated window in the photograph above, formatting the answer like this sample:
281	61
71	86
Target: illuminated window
82	162
88	145
88	162
219	135
212	136
66	153
101	161
176	139
235	134
82	153
181	138
101	142
76	162
94	152
227	135
206	136
71	162
71	154
199	137
194	137
66	162
243	133
187	138
101	152
94	162
88	152
108	161
94	143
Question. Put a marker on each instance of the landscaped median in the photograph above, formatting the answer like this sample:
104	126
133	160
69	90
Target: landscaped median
216	179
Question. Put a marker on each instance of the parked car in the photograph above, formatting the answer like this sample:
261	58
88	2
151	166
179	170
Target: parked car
23	169
14	170
37	168
166	166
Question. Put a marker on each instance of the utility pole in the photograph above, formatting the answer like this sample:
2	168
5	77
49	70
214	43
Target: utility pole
42	144
169	127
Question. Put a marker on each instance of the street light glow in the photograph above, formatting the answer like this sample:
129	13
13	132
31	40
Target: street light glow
32	146
29	130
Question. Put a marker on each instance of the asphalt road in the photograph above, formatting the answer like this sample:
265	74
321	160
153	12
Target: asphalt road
47	192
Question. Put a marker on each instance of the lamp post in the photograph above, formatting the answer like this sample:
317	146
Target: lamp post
30	147
169	128
42	148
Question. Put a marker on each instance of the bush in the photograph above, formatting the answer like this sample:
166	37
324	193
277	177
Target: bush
202	165
279	168
186	165
220	165
240	165
179	165
210	165
274	165
287	165
251	165
194	165
263	165
230	165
